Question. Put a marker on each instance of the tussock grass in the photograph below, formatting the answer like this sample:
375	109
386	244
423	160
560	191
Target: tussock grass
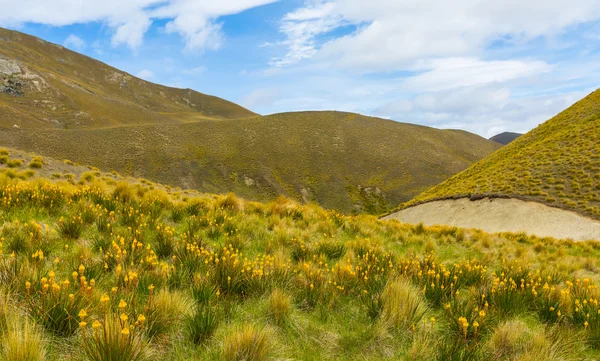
279	280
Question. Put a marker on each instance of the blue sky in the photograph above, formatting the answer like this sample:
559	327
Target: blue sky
484	66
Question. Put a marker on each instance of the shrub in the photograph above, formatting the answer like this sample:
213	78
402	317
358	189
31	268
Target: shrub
4	151
280	306
247	344
36	163
14	163
3	159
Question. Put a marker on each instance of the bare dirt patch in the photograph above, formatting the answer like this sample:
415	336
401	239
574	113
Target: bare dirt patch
503	215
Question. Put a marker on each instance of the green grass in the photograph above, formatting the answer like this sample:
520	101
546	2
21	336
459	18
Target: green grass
340	160
76	91
253	281
557	163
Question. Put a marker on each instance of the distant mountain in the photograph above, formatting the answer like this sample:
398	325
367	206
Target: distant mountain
557	163
43	85
505	138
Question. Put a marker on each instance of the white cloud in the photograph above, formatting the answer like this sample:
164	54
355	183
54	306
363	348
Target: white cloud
391	34
195	20
447	73
486	110
145	74
74	42
194	71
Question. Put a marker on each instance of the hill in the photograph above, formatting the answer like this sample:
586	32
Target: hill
557	164
505	138
341	160
45	86
101	270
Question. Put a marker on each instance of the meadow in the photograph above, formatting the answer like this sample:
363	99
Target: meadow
94	268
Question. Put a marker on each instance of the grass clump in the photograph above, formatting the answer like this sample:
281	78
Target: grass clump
280	306
249	343
14	163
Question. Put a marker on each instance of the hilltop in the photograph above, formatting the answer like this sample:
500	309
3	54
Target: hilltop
340	160
505	138
97	268
556	164
46	86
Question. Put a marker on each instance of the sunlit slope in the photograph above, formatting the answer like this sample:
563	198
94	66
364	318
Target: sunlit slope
43	85
340	160
557	163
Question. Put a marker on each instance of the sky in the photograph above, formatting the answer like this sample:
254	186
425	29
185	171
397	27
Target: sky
486	66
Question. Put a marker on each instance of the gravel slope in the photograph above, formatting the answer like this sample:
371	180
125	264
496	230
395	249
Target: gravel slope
503	215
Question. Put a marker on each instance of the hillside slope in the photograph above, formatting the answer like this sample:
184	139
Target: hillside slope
557	163
340	160
43	85
505	138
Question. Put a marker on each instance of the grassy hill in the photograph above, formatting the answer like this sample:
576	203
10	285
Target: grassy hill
505	138
557	163
341	160
44	86
92	269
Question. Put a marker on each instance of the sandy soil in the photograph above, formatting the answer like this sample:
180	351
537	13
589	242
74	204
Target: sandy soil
503	215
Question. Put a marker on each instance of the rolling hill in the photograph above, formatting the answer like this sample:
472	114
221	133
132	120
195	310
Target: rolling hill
556	164
46	86
505	138
341	160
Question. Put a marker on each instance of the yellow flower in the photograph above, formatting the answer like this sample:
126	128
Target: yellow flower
28	286
141	318
96	324
104	298
124	317
81	269
151	288
122	304
586	324
82	324
82	314
482	313
125	331
113	290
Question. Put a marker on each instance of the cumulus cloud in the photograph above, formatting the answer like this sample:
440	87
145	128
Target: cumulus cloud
74	42
391	34
194	20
